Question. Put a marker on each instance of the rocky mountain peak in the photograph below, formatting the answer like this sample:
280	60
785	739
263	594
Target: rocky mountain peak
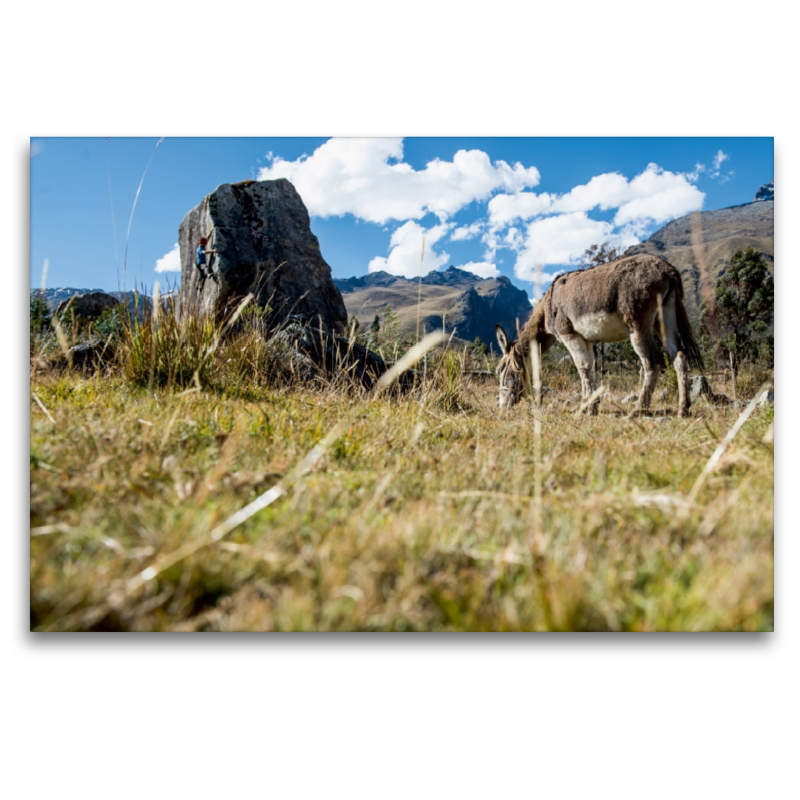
766	191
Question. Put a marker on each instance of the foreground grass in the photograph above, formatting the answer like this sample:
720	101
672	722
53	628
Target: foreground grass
421	516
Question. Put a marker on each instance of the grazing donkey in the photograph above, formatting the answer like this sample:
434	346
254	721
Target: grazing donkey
607	303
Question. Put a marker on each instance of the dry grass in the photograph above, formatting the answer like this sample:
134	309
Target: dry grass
417	517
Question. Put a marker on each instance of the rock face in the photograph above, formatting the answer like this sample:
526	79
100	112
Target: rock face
469	305
87	306
264	244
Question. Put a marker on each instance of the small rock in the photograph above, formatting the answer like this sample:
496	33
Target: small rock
700	388
631	398
88	354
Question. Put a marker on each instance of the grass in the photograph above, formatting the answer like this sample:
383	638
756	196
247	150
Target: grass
418	515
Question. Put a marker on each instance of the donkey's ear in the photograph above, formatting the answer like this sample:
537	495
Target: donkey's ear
502	339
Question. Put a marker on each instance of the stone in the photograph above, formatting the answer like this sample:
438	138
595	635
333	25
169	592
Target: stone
631	398
87	307
311	355
701	388
264	246
89	355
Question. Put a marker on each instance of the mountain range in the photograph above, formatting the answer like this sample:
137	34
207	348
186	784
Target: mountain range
464	304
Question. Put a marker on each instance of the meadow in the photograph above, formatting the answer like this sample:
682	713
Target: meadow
243	500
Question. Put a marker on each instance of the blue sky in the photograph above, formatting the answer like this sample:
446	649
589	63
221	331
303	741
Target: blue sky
494	206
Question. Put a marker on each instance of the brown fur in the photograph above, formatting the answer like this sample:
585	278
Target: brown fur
632	297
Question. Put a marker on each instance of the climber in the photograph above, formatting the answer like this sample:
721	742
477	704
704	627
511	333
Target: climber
200	262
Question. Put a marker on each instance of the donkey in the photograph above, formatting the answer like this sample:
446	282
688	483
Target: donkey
629	297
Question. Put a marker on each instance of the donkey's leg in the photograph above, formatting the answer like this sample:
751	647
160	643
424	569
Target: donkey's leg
681	364
676	355
645	346
581	352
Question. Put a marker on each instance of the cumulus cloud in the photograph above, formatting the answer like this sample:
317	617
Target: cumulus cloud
367	178
482	269
170	262
605	191
560	230
406	249
558	240
467	231
507	208
655	195
658	195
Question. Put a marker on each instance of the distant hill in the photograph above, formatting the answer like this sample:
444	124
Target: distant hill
720	233
57	295
468	305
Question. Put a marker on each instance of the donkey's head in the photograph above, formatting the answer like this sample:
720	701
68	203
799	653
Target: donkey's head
510	370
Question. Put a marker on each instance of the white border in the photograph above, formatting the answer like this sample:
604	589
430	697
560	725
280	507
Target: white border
657	716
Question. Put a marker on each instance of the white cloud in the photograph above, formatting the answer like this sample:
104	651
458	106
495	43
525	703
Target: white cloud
695	176
482	269
563	239
716	171
719	158
605	191
558	240
170	262
655	195
467	231
506	208
406	249
514	240
354	176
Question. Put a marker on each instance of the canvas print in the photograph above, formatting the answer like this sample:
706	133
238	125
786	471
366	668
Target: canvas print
388	384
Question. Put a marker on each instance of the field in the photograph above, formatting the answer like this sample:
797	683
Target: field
423	511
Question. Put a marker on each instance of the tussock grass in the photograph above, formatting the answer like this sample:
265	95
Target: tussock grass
162	348
416	516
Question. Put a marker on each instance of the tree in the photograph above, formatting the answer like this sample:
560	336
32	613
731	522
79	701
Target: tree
40	313
391	326
479	347
744	306
375	327
600	254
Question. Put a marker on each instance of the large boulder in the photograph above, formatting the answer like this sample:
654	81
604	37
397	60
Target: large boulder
264	244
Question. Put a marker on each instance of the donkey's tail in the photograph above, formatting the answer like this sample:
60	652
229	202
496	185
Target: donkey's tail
688	342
